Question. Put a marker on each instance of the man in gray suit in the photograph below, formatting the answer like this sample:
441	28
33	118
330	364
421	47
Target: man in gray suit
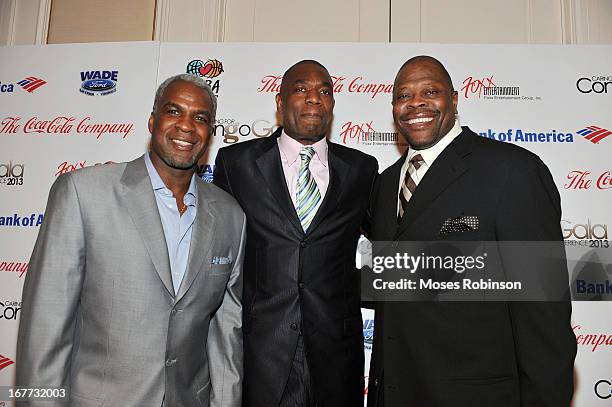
133	296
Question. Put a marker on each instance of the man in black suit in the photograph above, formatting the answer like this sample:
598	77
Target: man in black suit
462	354
305	199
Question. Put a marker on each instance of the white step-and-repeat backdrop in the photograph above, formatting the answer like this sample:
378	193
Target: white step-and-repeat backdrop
64	107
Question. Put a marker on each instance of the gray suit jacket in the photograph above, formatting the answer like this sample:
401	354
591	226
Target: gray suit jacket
99	312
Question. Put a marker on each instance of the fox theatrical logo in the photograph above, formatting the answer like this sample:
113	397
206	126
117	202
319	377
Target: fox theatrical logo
208	70
489	88
98	83
365	133
11	173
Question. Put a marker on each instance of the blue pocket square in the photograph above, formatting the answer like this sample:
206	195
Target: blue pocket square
221	260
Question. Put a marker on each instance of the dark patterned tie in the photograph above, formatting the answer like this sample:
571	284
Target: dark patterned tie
409	186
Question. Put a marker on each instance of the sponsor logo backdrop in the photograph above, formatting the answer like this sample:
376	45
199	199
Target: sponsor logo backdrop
64	107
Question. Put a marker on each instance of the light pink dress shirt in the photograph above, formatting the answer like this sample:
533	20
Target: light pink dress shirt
290	158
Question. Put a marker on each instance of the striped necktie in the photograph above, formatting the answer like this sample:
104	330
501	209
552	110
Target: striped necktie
308	195
409	186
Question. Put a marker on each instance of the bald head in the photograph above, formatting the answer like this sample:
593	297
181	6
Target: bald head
306	101
427	61
293	68
424	102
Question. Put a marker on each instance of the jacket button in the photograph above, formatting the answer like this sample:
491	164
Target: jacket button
301	285
170	362
293	326
375	382
303	244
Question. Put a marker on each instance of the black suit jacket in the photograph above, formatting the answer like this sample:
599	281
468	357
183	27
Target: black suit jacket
296	282
459	354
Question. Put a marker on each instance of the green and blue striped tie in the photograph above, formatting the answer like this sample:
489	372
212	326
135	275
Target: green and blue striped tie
308	195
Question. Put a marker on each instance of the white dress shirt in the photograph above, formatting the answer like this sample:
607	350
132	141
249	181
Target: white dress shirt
429	156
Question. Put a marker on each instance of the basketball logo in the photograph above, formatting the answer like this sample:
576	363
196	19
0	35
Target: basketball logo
209	69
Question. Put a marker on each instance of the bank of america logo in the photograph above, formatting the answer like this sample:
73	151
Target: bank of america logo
4	362
31	83
594	133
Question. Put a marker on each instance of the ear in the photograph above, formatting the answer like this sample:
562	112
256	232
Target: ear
151	122
455	101
279	103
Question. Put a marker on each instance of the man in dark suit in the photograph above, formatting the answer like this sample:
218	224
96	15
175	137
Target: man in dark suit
461	354
305	199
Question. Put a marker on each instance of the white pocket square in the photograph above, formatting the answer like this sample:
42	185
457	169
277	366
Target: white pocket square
221	260
460	224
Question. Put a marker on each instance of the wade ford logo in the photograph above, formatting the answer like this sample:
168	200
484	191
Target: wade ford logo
98	83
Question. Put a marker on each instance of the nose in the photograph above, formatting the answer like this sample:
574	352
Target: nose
313	96
184	123
417	101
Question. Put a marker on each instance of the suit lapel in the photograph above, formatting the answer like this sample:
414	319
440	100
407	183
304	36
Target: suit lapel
201	237
445	170
139	200
386	210
338	171
271	168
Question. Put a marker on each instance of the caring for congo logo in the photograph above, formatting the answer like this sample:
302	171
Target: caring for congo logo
98	83
210	69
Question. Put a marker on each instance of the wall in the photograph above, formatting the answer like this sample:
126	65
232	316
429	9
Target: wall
446	21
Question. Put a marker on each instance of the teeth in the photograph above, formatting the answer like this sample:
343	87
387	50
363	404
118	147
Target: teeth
181	142
420	120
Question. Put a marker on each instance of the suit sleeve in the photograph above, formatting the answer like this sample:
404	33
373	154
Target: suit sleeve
51	292
224	349
545	344
221	175
366	225
367	221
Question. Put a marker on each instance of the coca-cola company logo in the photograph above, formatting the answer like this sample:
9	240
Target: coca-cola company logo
65	125
486	87
583	179
15	267
365	133
66	166
592	341
353	84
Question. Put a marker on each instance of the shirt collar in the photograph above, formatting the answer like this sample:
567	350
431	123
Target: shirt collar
431	153
158	183
290	149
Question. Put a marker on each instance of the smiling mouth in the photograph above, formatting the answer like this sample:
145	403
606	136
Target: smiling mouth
182	144
419	120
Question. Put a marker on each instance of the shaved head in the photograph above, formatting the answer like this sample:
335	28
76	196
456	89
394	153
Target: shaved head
293	67
426	59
